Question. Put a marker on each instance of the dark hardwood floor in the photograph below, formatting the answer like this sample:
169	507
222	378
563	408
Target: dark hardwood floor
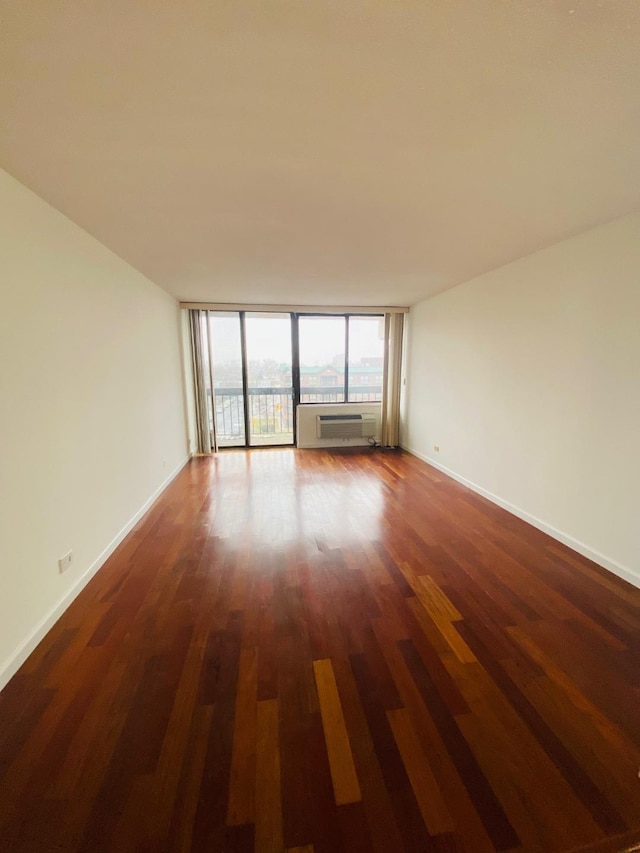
323	652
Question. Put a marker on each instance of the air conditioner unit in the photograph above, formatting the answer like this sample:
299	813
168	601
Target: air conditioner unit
346	426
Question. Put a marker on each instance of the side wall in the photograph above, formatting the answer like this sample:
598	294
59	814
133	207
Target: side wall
92	418
528	380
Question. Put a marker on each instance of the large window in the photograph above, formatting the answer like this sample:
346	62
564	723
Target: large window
322	350
366	358
341	358
251	368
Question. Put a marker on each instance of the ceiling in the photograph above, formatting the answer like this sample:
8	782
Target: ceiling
355	152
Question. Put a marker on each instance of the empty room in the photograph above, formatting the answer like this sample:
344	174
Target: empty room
320	420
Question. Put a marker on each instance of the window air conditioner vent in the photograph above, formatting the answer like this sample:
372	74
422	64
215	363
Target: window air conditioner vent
346	426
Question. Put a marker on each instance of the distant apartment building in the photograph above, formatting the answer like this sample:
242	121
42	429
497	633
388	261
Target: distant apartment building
327	384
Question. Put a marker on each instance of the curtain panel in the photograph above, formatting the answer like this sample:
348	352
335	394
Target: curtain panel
199	360
392	379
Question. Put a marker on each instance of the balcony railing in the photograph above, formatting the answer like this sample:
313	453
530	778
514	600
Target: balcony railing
270	416
335	394
230	416
271	411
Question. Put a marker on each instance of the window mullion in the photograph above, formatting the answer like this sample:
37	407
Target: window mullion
346	359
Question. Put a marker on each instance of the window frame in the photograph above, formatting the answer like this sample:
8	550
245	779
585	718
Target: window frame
295	317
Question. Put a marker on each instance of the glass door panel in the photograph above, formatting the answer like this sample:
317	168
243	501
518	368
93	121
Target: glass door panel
269	378
226	345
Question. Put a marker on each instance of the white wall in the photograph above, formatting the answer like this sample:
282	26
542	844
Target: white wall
92	416
528	379
307	424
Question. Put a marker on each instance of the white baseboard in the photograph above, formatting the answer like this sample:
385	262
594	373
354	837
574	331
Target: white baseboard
623	572
19	656
329	443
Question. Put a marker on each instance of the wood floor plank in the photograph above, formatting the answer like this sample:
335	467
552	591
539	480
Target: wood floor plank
562	690
301	791
435	601
434	810
240	839
603	812
469	830
220	693
484	797
356	835
375	795
589	688
343	772
409	818
514	763
241	808
184	811
337	651
268	799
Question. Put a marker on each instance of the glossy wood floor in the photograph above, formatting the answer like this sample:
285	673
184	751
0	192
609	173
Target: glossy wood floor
315	652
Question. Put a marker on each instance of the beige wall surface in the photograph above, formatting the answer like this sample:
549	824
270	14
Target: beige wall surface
92	418
528	380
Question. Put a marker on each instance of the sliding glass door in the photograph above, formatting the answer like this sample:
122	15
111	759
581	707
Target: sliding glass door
251	369
225	334
269	391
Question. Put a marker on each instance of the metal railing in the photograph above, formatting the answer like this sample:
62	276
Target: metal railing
333	394
271	410
229	415
270	415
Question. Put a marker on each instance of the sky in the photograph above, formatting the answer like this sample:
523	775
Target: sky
269	336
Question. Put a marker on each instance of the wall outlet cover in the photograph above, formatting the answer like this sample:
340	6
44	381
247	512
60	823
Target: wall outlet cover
65	561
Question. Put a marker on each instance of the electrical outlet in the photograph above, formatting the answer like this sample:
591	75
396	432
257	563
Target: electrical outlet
436	447
65	562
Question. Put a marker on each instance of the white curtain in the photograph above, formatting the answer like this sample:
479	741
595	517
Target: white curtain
391	380
200	357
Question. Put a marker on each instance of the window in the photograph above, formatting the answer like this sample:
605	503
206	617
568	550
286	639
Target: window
322	344
366	357
265	362
328	346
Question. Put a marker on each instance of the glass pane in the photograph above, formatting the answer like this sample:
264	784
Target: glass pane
321	359
269	378
227	377
366	357
204	333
